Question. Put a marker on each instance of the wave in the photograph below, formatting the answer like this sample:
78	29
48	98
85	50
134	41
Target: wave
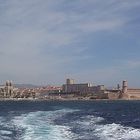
92	128
40	126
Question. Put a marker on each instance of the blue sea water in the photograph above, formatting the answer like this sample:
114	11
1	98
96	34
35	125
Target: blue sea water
69	120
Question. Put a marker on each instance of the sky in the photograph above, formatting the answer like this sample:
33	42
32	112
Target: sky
46	41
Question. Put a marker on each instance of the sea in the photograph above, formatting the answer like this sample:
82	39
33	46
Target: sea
70	120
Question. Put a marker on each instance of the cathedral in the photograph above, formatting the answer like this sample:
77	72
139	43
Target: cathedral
7	90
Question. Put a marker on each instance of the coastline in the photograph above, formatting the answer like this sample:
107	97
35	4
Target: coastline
64	99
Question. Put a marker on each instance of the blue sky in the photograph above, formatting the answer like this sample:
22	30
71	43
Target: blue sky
47	41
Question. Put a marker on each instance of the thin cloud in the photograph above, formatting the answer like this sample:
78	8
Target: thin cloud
101	26
43	37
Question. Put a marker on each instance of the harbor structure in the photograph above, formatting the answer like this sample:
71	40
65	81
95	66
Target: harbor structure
125	92
124	87
82	88
100	91
130	93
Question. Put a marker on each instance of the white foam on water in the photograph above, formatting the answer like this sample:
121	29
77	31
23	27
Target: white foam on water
5	132
5	138
2	120
93	129
90	119
117	132
39	126
5	129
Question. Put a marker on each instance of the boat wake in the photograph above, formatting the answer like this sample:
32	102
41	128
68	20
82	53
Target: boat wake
41	125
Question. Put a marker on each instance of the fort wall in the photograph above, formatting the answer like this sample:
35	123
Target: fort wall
129	93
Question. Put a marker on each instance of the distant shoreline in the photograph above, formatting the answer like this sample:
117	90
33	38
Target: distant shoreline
74	99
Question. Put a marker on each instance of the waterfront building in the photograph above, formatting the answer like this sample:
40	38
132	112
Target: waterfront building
70	81
82	88
130	93
124	93
100	91
7	90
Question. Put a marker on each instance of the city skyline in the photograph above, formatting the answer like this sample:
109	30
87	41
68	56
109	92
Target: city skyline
47	41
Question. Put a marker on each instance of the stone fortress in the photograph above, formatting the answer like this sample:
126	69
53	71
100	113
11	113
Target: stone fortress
125	93
82	88
129	93
100	92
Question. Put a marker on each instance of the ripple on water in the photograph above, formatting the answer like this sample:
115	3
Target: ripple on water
39	126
